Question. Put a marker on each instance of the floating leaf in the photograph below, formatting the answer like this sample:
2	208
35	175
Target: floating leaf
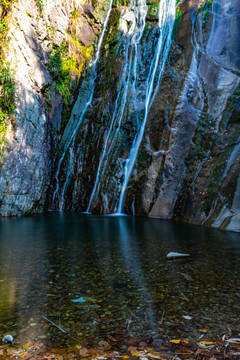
135	353
177	341
203	330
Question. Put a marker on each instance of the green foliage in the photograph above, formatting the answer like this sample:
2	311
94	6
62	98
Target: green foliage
7	91
178	14
177	21
206	2
40	6
75	14
7	84
204	9
5	5
153	9
65	65
60	67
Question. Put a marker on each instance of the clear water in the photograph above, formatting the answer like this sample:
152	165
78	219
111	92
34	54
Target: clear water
118	265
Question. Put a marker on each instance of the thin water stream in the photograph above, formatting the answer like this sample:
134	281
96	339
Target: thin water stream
118	266
153	73
133	37
88	100
139	79
167	9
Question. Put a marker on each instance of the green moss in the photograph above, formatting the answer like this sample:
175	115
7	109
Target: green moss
7	91
111	38
153	9
177	21
142	158
60	67
66	64
75	14
51	30
40	6
178	14
109	51
204	9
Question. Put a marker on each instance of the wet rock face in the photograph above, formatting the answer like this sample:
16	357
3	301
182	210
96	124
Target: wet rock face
110	124
194	170
24	175
32	141
188	163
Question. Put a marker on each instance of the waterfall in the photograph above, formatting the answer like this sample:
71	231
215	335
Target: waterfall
91	86
167	9
138	82
124	85
129	96
134	36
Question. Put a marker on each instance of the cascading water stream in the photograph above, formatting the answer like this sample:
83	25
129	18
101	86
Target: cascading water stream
115	115
93	76
134	37
167	11
138	84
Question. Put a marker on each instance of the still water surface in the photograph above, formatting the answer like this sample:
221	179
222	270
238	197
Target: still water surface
118	265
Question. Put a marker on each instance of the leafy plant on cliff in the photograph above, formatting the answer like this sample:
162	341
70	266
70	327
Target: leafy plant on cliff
75	14
7	84
204	9
66	63
40	6
63	65
60	69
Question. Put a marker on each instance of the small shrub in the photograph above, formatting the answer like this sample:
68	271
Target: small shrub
40	6
60	69
75	14
7	91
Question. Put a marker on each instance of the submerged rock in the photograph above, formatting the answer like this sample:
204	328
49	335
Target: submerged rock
8	339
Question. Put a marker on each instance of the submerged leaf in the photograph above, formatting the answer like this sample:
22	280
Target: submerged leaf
81	299
177	341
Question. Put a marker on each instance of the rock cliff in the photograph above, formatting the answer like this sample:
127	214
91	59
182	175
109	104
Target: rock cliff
71	150
49	45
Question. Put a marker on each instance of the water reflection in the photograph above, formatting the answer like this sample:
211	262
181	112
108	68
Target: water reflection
130	254
118	264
